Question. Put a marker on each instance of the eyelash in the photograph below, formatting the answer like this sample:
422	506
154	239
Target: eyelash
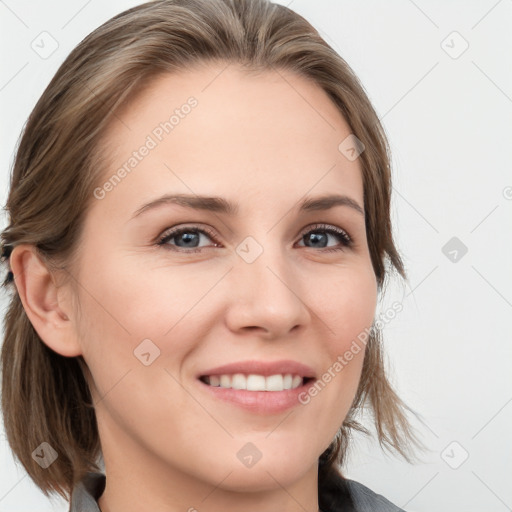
346	240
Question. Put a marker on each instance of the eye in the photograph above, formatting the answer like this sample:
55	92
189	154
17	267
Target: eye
319	234
188	238
185	238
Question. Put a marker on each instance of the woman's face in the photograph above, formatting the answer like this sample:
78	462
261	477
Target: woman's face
265	282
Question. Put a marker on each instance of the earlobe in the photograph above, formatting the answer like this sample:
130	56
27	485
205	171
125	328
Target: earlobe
39	295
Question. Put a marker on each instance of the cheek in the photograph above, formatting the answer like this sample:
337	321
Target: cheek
349	311
124	305
347	306
145	302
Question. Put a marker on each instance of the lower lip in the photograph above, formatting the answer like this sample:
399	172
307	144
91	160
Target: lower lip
260	402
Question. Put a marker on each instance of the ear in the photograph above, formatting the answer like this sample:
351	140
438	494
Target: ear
43	301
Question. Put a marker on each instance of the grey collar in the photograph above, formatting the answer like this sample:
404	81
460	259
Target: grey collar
86	493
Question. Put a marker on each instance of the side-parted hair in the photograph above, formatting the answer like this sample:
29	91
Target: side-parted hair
45	396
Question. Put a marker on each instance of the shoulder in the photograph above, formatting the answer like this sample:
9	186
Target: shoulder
86	493
365	500
340	494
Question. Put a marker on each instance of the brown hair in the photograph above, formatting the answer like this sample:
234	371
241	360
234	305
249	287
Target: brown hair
45	396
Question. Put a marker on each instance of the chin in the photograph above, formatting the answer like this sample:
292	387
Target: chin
264	477
265	465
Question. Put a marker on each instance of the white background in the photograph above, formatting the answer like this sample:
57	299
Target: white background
449	121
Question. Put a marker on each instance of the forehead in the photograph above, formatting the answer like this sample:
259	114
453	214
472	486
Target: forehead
216	128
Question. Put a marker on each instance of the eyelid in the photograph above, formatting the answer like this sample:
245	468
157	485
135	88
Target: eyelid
327	227
200	228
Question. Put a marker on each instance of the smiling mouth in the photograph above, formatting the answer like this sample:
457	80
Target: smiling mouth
255	382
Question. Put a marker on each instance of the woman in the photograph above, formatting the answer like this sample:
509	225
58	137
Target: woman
199	232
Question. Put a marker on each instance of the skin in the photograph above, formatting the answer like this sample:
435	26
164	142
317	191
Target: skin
264	142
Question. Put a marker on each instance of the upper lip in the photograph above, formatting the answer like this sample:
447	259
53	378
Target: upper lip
265	368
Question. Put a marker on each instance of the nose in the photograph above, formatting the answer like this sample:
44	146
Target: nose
266	297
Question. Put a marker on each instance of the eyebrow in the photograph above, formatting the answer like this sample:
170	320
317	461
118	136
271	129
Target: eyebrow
221	205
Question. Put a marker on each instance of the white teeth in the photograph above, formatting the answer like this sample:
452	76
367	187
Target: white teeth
275	383
255	382
225	381
238	381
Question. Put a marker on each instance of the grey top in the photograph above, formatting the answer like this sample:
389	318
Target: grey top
358	499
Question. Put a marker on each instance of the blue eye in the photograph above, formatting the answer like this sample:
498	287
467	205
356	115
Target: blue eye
320	235
187	239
